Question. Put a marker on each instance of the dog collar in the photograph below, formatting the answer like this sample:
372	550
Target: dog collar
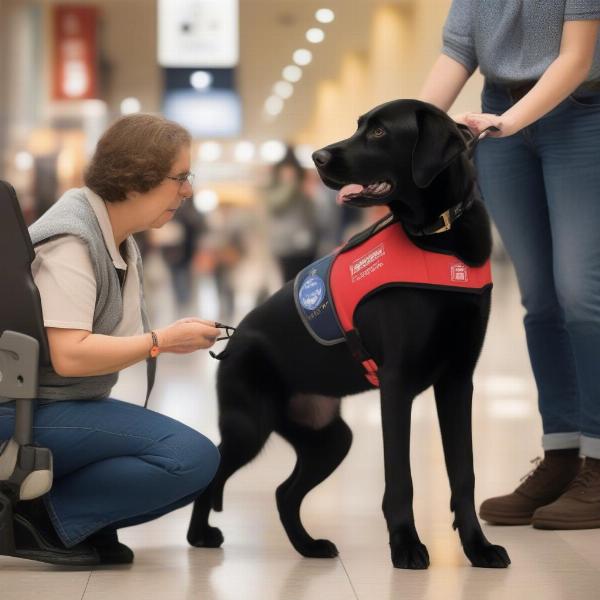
444	222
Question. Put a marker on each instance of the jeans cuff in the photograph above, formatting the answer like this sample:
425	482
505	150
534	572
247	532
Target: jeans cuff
559	441
590	446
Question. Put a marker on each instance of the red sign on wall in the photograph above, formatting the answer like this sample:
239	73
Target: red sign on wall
75	51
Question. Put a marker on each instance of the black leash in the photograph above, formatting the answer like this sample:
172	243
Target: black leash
228	333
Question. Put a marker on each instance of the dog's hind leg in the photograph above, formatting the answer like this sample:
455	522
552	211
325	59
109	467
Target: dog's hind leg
453	397
319	452
242	438
249	397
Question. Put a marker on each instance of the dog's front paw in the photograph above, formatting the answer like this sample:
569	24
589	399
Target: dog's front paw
484	554
319	549
408	552
207	537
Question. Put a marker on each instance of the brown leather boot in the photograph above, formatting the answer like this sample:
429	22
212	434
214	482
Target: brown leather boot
578	507
543	485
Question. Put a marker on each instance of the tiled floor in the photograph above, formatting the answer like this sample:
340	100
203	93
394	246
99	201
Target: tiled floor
257	562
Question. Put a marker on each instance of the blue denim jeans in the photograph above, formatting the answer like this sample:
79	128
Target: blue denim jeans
542	189
115	464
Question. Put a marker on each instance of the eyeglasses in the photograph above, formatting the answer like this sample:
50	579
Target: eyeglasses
181	179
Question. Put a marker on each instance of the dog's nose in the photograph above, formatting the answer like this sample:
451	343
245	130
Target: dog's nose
321	157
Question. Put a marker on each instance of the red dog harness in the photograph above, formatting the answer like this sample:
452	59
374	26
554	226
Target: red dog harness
328	292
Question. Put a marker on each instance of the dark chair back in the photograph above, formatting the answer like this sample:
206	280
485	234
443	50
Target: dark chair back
20	304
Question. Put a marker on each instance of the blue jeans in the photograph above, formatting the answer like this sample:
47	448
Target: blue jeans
542	189
115	464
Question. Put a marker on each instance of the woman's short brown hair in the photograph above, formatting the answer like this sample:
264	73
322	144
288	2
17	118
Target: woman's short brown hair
134	154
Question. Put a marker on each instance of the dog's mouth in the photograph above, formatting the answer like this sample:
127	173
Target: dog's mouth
374	191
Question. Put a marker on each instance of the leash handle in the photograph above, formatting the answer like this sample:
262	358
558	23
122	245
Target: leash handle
486	132
227	328
475	139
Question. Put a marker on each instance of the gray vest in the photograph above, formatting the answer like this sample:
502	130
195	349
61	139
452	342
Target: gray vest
73	215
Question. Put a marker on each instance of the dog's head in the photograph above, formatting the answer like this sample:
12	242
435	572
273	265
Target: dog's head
397	152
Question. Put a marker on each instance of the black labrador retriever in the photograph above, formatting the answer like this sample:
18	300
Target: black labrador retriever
275	377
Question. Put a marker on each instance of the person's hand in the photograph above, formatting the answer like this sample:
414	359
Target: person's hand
460	118
187	335
478	122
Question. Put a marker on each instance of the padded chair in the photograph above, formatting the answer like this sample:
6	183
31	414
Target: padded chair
25	468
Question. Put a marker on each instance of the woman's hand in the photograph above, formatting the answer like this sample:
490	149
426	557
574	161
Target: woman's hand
187	335
477	122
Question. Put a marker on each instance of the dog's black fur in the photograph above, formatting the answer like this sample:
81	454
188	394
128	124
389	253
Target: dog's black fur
276	377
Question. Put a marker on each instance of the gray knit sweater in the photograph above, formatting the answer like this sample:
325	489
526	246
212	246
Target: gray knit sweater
73	215
513	41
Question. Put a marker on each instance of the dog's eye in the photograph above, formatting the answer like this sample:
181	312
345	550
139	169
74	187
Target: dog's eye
377	132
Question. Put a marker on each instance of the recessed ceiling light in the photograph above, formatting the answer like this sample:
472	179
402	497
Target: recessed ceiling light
315	35
292	73
274	105
303	153
272	151
130	106
302	57
206	200
210	151
23	161
201	80
284	89
244	151
325	15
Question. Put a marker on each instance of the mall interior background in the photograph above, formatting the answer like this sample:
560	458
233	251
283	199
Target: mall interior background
217	259
50	120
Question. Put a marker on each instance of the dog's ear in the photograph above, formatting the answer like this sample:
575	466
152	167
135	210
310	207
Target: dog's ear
438	143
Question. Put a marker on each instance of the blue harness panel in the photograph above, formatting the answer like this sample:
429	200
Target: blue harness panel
313	301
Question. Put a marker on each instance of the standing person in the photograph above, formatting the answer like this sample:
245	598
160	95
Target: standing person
115	464
292	217
179	255
540	179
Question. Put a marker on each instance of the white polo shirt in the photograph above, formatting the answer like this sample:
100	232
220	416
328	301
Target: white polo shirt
62	271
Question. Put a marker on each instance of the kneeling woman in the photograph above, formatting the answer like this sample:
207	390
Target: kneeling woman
115	464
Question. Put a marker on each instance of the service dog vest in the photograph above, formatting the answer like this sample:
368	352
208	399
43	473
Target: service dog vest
328	291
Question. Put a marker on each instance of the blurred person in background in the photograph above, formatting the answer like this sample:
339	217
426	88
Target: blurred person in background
292	217
115	464
179	254
333	220
540	180
234	250
221	251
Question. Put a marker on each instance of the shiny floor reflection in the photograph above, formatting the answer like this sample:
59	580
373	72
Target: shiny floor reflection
257	562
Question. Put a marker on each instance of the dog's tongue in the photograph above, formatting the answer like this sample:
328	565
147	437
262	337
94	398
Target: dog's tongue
353	188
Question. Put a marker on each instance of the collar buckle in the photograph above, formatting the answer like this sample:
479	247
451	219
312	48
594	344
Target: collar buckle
447	223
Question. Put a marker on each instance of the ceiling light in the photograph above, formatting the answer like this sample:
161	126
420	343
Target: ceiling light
210	151
130	106
201	80
244	151
325	15
302	57
303	153
206	200
274	105
272	151
96	109
284	89
23	161
292	73
315	35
